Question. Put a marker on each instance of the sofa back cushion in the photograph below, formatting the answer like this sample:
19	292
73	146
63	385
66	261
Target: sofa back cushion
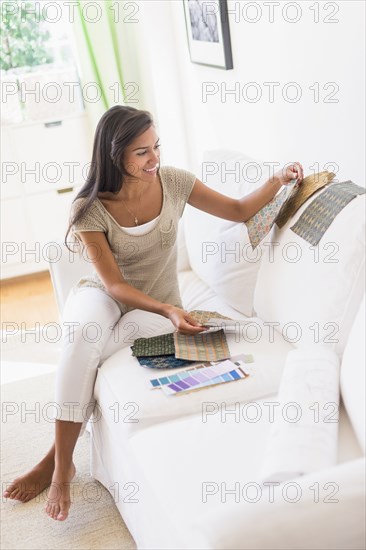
353	375
312	292
219	250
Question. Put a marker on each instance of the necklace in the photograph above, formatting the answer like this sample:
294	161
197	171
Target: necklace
133	215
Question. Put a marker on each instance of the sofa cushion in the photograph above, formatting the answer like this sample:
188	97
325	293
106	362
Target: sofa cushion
304	439
122	380
353	375
202	472
219	250
312	293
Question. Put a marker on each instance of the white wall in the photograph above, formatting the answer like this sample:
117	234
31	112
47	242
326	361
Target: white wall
304	52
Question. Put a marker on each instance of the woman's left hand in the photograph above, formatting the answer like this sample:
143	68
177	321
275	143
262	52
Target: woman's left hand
294	171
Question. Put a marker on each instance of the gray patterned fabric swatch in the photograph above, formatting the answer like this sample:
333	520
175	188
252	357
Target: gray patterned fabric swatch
155	345
316	219
163	362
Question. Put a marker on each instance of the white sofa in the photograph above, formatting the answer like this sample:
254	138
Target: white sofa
166	464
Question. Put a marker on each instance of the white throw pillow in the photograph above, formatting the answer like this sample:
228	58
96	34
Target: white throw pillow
182	254
219	250
353	375
313	293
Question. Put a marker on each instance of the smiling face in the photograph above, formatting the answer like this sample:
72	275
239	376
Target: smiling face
142	156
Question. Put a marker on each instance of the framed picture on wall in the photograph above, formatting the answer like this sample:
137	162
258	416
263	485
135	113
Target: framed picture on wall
208	33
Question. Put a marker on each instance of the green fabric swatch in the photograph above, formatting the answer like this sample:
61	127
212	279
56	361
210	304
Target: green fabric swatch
318	216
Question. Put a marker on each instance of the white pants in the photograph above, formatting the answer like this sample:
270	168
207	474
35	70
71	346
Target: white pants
93	328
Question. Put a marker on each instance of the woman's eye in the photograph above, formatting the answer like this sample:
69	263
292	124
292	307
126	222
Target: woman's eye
144	152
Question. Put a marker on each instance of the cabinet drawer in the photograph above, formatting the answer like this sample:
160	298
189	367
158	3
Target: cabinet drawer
52	155
48	215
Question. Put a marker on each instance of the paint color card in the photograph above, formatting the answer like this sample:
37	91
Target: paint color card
209	346
231	376
199	374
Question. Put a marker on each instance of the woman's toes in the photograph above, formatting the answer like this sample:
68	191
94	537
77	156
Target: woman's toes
14	493
53	510
24	496
64	511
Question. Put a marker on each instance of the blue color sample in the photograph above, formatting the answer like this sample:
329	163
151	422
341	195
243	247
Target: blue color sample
234	374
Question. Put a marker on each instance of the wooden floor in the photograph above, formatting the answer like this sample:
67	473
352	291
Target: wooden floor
29	300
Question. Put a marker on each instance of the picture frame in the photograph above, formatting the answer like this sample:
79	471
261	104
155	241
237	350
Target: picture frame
208	33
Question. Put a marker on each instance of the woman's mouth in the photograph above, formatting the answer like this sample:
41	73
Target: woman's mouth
151	171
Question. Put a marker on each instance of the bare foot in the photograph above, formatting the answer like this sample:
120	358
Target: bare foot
58	500
28	486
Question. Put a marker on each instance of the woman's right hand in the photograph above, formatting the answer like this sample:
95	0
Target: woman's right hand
183	322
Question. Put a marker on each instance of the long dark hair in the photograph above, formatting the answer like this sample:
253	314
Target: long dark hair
116	130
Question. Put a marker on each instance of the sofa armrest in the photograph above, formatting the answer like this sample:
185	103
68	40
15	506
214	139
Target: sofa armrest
329	514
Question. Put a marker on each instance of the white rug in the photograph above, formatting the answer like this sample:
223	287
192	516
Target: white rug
94	521
35	346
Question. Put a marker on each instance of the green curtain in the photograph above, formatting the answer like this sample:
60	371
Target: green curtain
99	56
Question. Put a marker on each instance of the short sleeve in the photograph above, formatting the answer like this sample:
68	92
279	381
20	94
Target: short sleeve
183	181
91	220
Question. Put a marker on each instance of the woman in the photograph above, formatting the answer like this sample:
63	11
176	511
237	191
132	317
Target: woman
126	216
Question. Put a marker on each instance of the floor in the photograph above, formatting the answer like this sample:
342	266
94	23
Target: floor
28	300
26	303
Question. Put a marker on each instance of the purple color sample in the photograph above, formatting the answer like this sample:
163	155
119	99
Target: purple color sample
174	387
182	385
191	381
200	376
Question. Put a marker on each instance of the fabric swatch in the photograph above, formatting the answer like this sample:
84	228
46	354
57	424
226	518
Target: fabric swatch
318	216
307	188
260	224
202	316
156	345
163	362
209	346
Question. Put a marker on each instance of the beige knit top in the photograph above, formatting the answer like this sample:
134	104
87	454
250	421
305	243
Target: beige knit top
148	262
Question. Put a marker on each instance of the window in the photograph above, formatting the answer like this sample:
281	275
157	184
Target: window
38	64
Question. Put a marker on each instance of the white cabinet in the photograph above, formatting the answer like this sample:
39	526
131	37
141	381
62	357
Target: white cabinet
43	167
53	223
14	230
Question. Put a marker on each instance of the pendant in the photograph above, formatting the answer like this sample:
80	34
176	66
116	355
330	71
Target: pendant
136	221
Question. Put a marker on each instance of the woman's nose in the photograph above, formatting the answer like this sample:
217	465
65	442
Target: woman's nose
154	157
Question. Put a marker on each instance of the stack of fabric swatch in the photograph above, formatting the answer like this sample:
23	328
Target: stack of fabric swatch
178	350
316	218
174	349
